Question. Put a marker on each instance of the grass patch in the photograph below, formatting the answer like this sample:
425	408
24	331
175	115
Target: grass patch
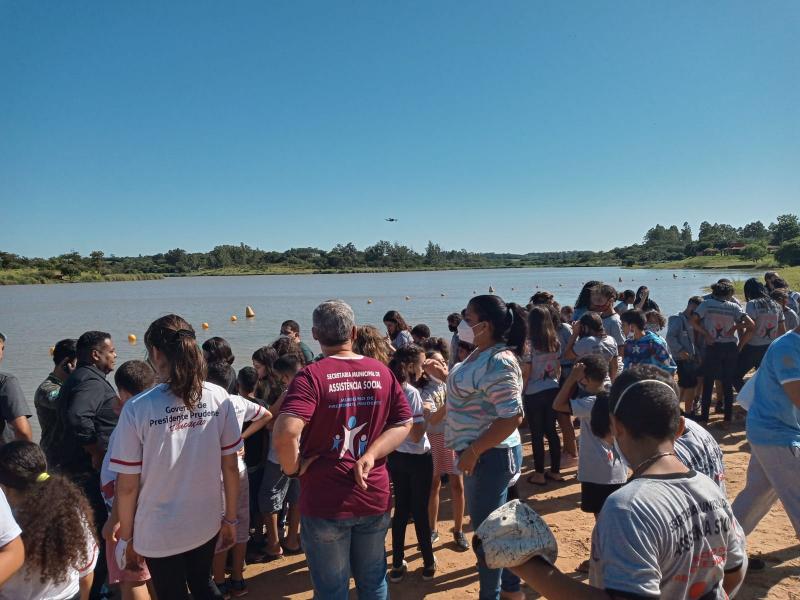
716	262
36	276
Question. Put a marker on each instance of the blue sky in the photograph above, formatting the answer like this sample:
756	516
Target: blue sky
514	126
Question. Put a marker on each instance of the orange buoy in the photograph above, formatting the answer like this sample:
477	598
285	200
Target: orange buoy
131	338
204	325
52	350
249	312
234	318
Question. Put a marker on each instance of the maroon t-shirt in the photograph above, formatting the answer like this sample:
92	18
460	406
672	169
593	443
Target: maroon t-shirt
346	404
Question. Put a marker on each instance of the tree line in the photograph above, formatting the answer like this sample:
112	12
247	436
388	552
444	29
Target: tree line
660	243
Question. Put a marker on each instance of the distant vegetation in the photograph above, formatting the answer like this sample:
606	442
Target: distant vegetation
716	246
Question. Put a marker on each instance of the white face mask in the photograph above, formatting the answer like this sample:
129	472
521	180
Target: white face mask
465	332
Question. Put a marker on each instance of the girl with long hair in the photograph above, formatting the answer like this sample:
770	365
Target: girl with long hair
56	523
484	410
397	329
589	337
770	325
370	342
166	447
541	389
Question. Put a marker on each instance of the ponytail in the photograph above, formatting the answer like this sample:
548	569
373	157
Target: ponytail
175	338
509	321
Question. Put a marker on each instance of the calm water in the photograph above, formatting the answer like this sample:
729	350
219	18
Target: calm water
34	317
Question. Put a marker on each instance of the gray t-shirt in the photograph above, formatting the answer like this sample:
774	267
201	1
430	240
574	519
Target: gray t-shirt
669	536
767	316
621	307
720	318
613	326
598	462
435	394
791	319
605	346
403	338
544	371
698	450
12	405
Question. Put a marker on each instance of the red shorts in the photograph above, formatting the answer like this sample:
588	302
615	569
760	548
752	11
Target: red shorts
444	459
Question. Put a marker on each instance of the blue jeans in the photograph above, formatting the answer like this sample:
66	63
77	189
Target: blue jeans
485	490
335	548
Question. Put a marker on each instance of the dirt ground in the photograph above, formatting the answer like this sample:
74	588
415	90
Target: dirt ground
456	577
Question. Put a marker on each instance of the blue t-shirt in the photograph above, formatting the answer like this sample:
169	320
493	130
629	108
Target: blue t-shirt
773	420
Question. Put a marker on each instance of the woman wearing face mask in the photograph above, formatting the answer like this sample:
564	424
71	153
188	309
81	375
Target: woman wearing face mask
484	410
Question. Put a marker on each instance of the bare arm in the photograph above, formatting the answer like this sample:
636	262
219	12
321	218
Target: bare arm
555	585
22	429
85	585
256	426
286	439
561	402
569	352
417	431
12	556
732	580
749	331
126	496
438	416
613	367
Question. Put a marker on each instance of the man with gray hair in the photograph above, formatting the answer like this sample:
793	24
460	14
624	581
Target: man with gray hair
351	412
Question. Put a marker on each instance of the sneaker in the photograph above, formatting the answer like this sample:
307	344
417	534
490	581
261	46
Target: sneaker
397	574
434	537
461	540
429	572
237	588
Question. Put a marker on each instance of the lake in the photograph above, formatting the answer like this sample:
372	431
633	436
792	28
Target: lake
35	317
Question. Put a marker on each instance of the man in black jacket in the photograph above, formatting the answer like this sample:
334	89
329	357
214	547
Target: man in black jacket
86	418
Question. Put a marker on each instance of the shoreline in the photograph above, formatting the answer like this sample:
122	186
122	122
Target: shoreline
34	277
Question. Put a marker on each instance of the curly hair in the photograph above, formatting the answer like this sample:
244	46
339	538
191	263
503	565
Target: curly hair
370	342
53	514
284	345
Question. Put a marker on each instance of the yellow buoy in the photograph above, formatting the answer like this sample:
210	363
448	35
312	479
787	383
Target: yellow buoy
249	312
234	318
369	300
52	350
204	325
131	338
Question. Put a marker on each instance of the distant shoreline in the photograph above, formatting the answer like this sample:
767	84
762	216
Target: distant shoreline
34	277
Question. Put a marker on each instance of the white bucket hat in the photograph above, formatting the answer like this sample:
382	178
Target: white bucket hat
515	533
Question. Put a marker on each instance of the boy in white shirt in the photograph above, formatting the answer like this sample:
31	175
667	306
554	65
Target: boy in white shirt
247	410
132	378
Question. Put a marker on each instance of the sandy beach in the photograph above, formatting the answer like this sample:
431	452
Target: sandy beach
774	540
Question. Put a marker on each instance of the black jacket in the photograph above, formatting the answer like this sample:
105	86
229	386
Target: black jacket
86	416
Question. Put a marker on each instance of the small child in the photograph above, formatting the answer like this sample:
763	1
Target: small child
131	378
643	346
601	470
247	409
277	488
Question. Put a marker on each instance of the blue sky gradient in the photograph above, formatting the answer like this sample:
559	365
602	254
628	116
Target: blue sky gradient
514	126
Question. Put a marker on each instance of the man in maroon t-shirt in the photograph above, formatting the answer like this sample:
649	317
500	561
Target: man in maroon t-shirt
341	417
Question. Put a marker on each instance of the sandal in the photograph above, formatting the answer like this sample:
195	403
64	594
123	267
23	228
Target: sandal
532	481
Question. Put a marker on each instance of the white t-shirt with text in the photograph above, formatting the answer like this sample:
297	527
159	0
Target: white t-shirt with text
178	453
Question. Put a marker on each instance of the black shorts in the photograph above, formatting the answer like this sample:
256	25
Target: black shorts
593	495
688	372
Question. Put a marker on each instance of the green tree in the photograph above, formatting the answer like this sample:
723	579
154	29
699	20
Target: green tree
755	252
686	233
754	231
785	228
789	252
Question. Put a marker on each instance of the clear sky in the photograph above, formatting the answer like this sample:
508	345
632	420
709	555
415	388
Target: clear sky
136	127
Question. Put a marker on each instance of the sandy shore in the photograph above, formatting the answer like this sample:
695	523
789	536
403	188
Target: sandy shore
456	578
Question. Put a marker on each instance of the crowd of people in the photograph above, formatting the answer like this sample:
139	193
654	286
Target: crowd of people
168	482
